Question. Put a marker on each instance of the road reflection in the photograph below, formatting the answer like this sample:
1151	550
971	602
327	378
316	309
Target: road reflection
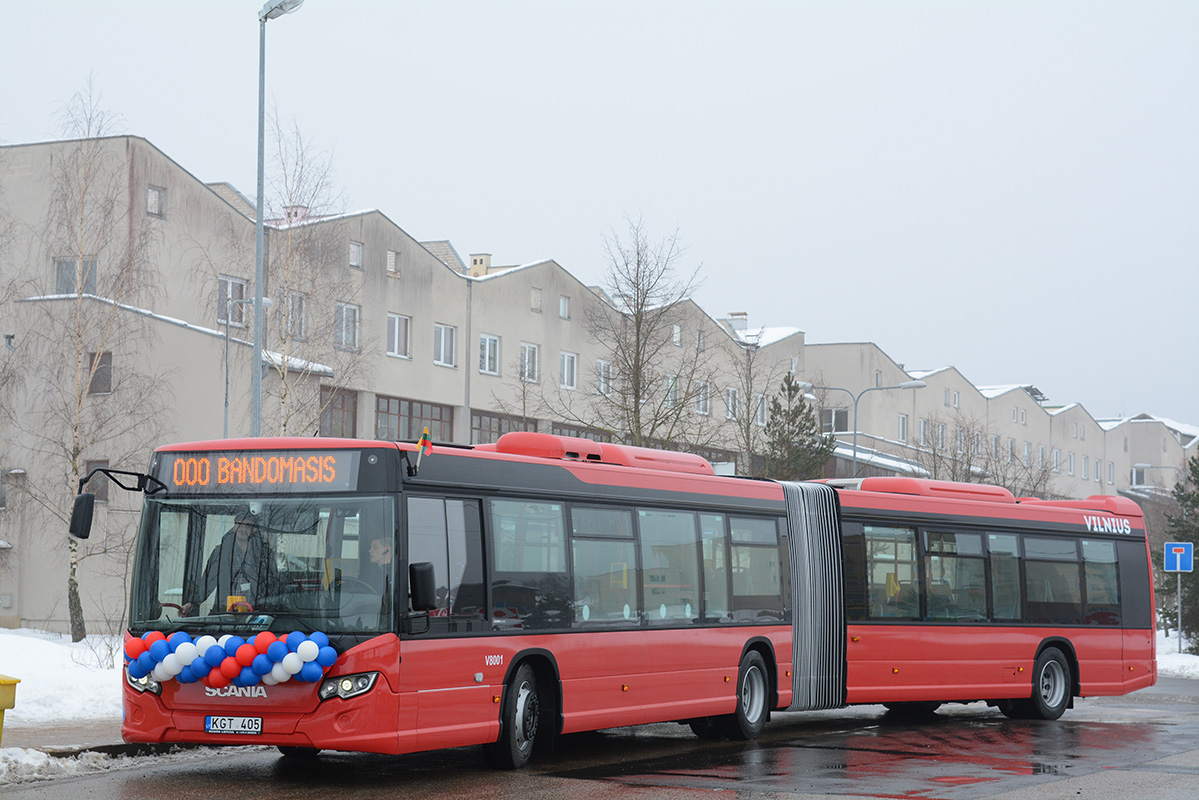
943	756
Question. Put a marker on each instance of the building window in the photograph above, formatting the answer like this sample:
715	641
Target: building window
535	299
672	391
393	262
1028	454
700	345
486	427
834	420
1023	417
564	307
1015	413
397	418
732	399
75	275
294	315
489	354
703	398
398	329
1069	463
955	399
230	293
941	435
1082	432
530	362
994	445
960	436
760	410
339	413
1011	451
923	436
903	428
1085	464
1057	460
100	373
946	398
1111	473
99	484
1041	457
603	377
676	335
568	365
345	326
356	255
1074	429
156	201
1138	476
443	345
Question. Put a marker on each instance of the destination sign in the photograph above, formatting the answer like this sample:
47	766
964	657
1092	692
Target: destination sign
260	471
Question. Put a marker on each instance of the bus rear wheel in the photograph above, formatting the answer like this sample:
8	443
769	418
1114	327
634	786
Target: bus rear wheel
752	700
520	714
1051	686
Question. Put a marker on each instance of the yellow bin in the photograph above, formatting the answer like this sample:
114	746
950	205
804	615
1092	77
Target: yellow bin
8	697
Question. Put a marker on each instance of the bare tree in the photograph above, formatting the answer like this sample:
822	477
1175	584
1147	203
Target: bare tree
523	401
97	400
752	380
312	335
657	374
954	448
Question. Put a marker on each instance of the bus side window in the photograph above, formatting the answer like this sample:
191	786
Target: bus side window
530	587
605	567
448	534
757	569
715	566
1004	555
893	579
1100	569
670	565
1052	581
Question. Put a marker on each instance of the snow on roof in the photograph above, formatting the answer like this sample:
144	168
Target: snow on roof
883	460
763	337
921	374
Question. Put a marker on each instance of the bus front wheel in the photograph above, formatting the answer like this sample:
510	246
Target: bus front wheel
520	714
752	699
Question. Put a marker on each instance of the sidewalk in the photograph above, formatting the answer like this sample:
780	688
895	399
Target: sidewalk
69	738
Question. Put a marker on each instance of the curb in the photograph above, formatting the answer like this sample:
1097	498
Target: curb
123	749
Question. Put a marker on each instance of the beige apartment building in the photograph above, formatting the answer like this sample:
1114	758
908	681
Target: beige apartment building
127	313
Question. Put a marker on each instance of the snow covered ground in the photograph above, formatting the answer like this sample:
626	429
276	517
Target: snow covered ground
61	682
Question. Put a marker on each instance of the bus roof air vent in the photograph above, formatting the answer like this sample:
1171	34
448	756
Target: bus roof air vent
943	489
570	448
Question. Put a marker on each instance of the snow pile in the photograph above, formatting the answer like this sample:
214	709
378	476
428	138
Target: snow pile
60	680
25	766
1171	663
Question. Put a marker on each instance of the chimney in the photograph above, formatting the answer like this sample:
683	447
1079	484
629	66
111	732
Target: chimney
480	264
739	321
294	214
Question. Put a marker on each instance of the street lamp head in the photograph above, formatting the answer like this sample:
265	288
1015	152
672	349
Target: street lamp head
277	8
912	385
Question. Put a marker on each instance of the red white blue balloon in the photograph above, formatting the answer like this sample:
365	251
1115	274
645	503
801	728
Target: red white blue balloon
229	659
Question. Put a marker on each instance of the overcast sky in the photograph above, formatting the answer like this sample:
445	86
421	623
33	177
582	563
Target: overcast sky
1008	187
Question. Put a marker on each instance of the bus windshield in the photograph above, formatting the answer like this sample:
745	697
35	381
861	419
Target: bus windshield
303	562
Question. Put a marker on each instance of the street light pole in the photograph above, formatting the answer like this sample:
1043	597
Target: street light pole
273	9
266	301
857	397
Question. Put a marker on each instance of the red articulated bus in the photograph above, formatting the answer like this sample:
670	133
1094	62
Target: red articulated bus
376	596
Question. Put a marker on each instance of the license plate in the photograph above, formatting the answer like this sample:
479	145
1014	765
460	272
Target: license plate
233	724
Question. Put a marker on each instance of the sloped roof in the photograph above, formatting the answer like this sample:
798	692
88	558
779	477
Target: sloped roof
444	252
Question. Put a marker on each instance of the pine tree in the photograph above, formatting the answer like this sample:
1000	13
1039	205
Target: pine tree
1185	528
796	449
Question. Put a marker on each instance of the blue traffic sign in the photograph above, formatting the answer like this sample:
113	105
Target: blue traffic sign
1180	557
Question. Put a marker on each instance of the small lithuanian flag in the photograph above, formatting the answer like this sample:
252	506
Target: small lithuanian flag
424	446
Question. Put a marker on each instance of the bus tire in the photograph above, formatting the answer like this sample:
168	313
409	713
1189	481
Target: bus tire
1051	685
520	714
752	699
299	753
914	709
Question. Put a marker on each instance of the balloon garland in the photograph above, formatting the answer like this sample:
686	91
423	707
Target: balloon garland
264	658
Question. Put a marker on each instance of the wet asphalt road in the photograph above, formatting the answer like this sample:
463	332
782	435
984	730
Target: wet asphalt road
1142	746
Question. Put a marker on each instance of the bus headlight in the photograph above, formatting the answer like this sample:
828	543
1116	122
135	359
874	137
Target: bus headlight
347	685
144	684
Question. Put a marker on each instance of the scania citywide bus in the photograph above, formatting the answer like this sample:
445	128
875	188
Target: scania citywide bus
544	585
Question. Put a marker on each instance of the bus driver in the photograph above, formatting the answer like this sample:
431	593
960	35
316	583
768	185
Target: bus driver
242	569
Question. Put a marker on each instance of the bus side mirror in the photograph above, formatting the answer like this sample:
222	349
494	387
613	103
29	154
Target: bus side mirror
81	515
423	585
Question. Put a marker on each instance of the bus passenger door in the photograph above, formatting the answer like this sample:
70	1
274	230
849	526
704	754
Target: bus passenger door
444	665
